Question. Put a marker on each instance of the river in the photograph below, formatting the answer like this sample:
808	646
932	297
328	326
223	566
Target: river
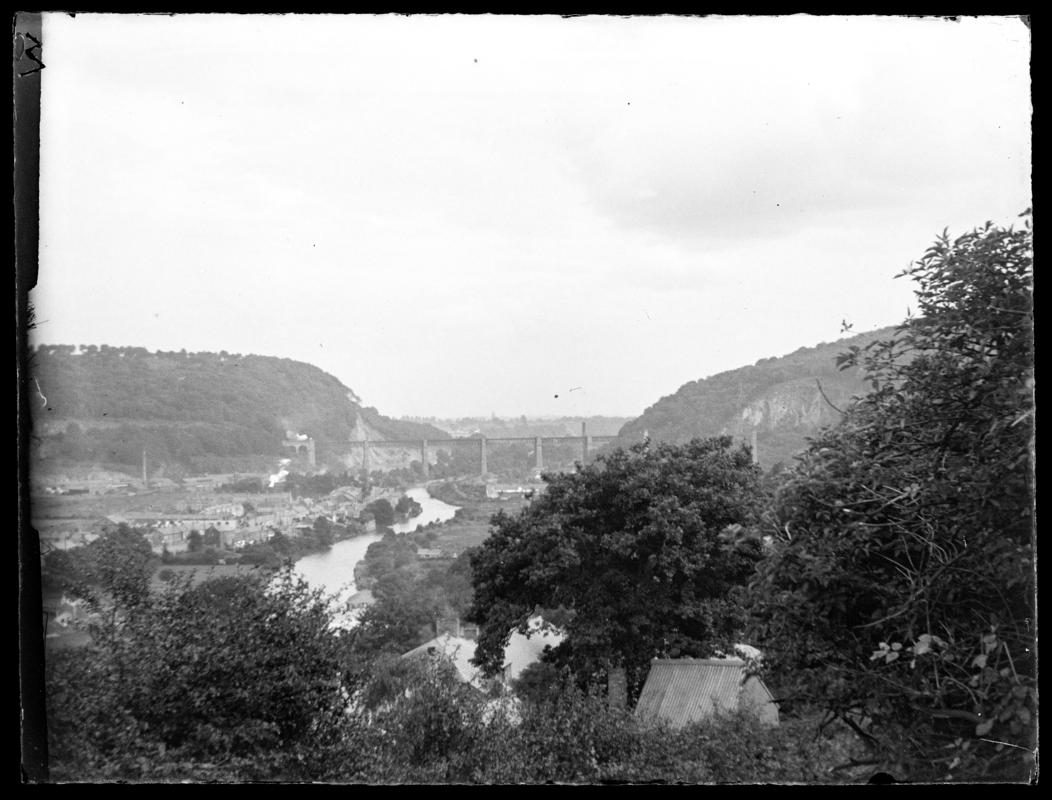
333	570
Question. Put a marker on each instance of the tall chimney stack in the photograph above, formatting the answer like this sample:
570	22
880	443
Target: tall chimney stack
145	480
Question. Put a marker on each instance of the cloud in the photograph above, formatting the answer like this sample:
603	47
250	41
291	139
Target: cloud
852	121
496	204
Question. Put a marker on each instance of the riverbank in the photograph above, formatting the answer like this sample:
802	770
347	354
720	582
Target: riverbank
345	568
470	525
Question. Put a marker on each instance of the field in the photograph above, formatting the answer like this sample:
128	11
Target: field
200	573
471	525
176	501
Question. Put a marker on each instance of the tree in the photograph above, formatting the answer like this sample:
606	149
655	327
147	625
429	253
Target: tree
195	542
393	624
900	593
323	531
280	543
120	563
212	537
407	506
452	582
538	682
241	670
425	724
382	511
646	546
62	571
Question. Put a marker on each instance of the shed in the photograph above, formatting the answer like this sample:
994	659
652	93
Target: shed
680	691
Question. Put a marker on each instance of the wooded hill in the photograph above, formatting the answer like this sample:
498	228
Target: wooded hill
199	410
780	398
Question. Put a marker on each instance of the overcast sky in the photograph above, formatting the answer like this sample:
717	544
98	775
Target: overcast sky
471	215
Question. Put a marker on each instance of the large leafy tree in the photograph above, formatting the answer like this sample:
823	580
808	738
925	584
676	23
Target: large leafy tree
397	622
900	592
644	546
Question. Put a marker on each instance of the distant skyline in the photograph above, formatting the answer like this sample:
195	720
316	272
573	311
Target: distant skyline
463	216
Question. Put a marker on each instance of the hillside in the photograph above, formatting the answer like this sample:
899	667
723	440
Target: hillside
778	398
202	411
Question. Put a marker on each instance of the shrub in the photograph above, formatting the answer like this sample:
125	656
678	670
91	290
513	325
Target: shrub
243	671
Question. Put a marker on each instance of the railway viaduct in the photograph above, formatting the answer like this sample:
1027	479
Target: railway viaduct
586	442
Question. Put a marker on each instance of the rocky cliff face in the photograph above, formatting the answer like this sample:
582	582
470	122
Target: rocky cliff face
794	405
781	400
384	458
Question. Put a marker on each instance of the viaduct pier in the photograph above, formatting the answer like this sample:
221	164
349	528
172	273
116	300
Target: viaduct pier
481	442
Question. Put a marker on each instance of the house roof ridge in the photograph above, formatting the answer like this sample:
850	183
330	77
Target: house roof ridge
719	662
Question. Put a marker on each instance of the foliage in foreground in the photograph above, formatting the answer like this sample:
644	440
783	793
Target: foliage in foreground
422	725
205	718
238	676
900	595
114	569
243	679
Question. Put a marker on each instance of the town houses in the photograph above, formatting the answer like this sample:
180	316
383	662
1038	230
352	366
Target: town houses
169	516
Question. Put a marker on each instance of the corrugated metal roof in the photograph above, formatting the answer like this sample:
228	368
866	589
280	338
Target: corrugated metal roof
681	691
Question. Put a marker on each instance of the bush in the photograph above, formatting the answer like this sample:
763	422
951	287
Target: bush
738	748
382	511
429	727
898	592
421	724
243	671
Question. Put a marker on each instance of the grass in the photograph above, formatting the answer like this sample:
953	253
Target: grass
200	572
471	525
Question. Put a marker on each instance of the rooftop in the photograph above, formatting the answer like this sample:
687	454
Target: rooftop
684	690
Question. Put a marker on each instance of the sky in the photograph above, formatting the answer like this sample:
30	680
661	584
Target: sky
461	216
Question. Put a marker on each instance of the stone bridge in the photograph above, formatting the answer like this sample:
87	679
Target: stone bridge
302	448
